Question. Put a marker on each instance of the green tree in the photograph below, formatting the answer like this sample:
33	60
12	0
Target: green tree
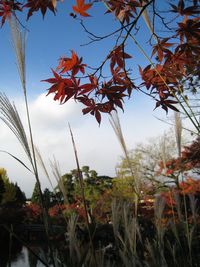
9	194
20	197
48	198
3	174
2	189
36	194
94	185
65	187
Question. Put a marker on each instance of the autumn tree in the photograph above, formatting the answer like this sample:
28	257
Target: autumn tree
142	169
188	162
173	70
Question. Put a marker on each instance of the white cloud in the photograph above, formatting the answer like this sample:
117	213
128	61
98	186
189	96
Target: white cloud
97	146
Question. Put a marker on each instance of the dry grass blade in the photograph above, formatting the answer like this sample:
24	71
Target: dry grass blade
163	151
80	176
116	218
148	23
17	159
10	116
159	206
74	247
115	123
42	164
57	174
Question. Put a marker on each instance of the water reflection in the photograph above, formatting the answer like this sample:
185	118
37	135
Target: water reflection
19	256
32	259
10	253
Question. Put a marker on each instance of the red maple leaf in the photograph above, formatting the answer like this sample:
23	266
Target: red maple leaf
117	57
5	12
63	88
74	64
189	29
6	9
35	5
122	10
161	48
188	11
81	8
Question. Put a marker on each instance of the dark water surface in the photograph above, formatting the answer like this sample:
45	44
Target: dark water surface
22	257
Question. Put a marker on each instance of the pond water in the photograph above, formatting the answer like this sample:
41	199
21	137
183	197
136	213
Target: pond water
22	257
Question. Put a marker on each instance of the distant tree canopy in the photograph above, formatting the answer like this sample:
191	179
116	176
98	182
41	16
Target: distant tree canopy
94	185
10	193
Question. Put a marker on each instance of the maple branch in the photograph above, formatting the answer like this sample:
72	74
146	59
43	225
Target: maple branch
135	21
155	13
172	124
132	24
167	86
20	23
148	94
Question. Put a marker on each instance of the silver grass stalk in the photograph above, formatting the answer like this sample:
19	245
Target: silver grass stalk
10	116
116	218
115	123
178	131
193	206
42	164
148	23
74	247
163	151
19	44
57	174
81	182
178	134
18	39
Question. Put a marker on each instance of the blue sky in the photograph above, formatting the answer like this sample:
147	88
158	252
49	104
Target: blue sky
47	40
